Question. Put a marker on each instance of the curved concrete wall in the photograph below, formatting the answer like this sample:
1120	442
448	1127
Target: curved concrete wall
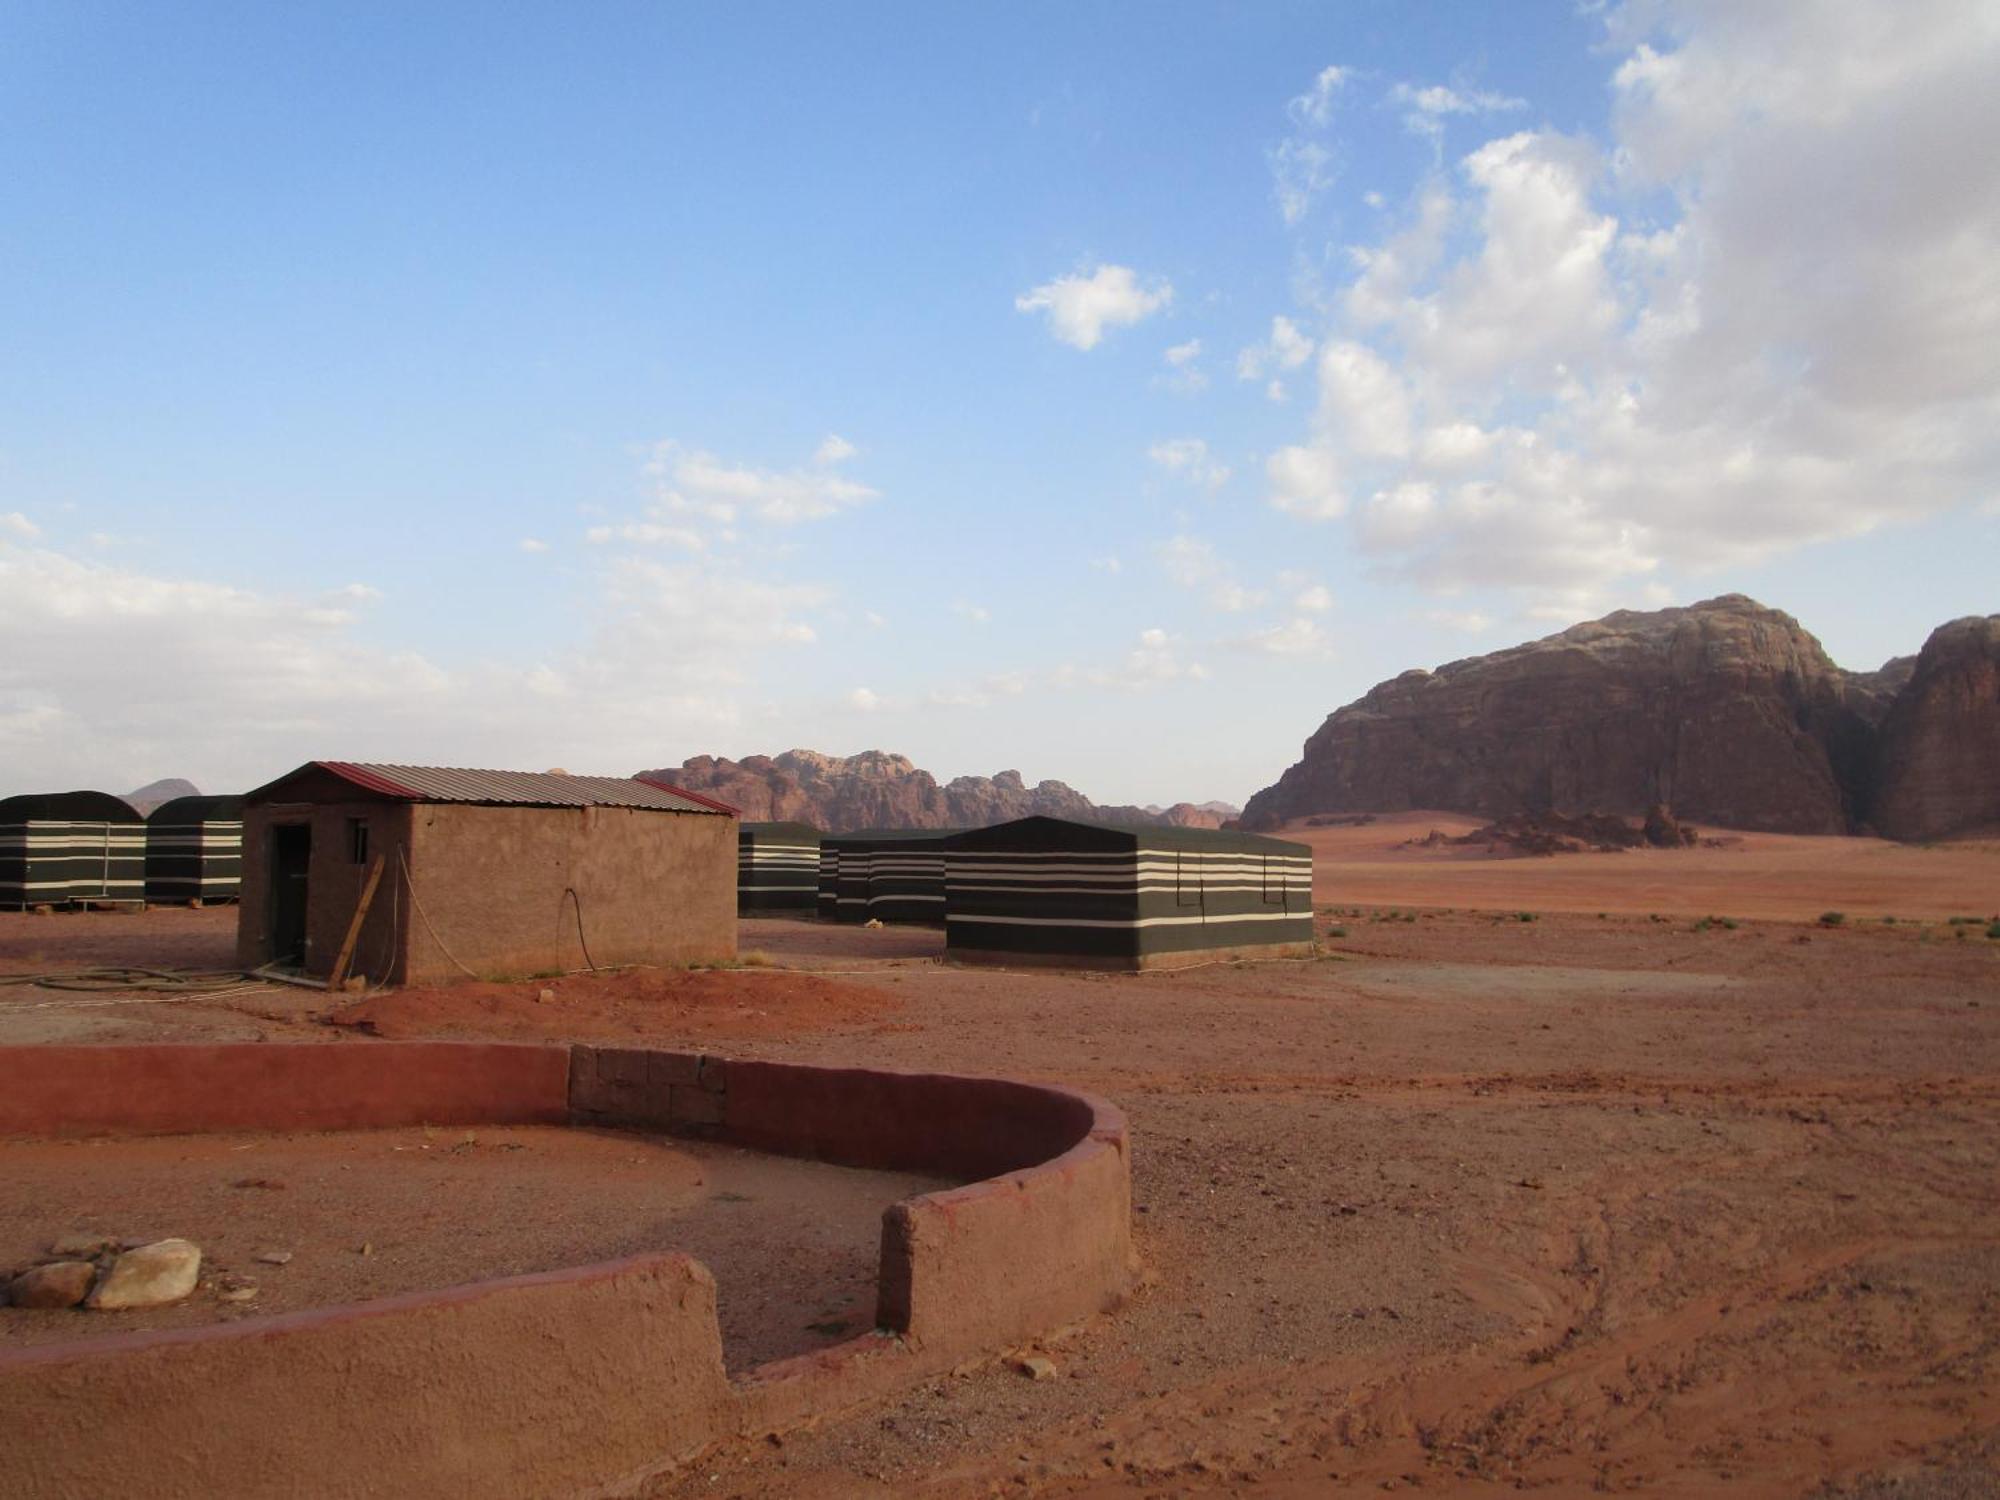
571	1382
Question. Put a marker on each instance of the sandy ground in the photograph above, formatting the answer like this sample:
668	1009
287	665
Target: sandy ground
794	1245
1785	877
1472	1204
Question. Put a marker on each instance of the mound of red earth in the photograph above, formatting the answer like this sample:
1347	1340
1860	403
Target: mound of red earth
878	790
1557	833
1727	710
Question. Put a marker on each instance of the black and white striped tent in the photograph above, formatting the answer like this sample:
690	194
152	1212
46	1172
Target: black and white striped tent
1062	892
777	868
884	875
194	849
60	848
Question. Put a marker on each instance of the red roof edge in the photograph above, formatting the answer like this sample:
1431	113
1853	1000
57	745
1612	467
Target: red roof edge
681	791
346	770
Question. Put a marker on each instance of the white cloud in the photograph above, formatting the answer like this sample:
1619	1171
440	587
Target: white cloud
977	613
16	524
1298	636
1106	565
1195	565
1306	481
1300	171
1425	107
865	699
1184	375
1081	307
1467	621
1189	459
873	620
1285	349
1315	599
533	544
113	674
834	449
1765	312
694	484
1315	106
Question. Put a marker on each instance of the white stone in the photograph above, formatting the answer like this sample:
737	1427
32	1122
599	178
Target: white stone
150	1276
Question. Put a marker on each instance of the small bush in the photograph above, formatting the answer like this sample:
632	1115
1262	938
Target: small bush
1832	918
1993	929
1967	921
1524	916
1888	921
1334	932
756	958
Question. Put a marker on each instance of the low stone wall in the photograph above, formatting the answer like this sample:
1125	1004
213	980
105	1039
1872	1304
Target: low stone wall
572	1382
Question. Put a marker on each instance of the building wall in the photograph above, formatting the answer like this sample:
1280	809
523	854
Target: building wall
333	885
492	885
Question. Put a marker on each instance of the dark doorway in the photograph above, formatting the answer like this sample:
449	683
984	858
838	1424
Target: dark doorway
291	855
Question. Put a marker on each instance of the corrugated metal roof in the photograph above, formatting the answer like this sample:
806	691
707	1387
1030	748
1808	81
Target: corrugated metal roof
520	788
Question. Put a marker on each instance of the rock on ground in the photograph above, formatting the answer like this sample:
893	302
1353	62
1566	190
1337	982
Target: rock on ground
62	1283
150	1276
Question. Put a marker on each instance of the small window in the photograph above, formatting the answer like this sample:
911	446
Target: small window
357	840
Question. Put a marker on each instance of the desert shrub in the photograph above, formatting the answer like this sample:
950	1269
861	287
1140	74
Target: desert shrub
1993	929
1832	918
1524	916
1888	921
1334	932
756	958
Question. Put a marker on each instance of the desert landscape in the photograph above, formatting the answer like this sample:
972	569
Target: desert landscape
1537	1178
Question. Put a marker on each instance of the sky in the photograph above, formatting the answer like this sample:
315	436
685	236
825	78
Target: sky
1106	392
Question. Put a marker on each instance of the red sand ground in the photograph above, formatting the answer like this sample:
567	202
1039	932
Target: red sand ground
794	1245
1786	877
1574	1205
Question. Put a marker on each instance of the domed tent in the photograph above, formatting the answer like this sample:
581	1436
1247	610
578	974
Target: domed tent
1065	893
194	849
60	848
777	868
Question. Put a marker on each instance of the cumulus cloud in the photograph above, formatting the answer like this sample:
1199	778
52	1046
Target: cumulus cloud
979	614
1157	659
865	699
1315	106
1079	308
533	544
1764	312
1188	459
1183	374
14	524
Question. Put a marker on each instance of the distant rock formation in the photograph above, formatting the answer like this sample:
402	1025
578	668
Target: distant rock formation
878	790
1726	712
153	793
1940	745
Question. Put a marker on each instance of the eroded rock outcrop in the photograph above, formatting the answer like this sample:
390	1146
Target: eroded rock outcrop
1940	743
878	790
1727	712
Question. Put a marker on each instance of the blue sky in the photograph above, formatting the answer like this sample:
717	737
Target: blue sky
1105	392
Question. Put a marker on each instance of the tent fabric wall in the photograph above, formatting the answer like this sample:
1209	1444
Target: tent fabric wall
60	848
194	849
777	867
1115	896
884	875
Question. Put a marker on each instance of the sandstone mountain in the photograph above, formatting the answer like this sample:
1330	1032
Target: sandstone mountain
153	793
1940	756
874	789
1726	711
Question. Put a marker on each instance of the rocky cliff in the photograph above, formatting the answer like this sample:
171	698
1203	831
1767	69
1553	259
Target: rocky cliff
877	790
1940	744
1726	711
